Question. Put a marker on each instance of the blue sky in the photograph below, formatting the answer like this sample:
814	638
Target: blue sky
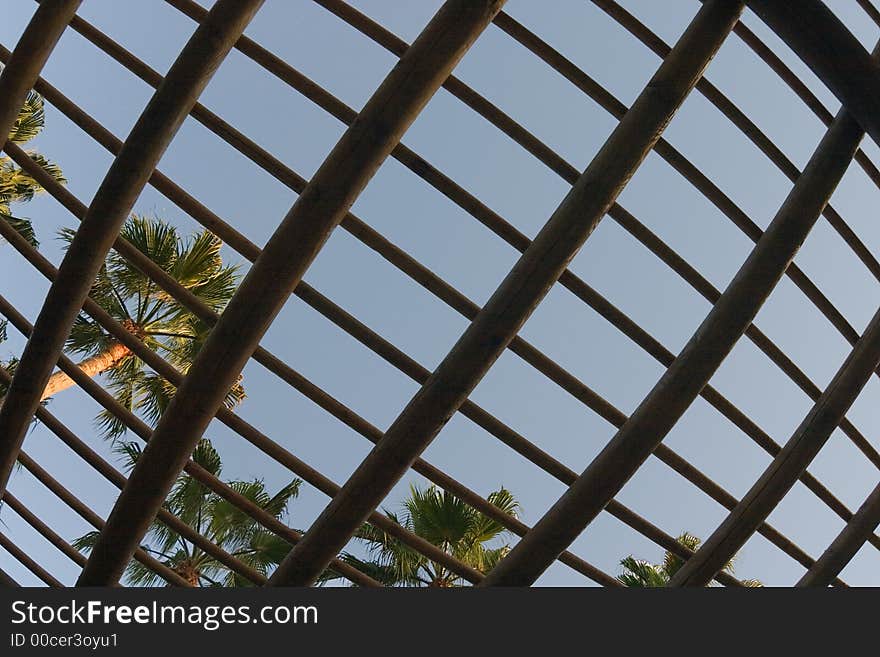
430	227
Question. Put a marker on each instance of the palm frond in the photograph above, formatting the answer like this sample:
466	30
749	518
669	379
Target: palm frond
22	226
86	542
31	119
641	574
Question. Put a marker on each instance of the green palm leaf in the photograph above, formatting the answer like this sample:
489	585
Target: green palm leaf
30	121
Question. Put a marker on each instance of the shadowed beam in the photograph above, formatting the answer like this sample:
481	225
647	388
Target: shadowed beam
789	464
846	545
690	372
6	581
118	192
516	298
824	43
30	55
287	255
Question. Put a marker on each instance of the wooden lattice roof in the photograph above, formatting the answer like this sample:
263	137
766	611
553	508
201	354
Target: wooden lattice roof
324	203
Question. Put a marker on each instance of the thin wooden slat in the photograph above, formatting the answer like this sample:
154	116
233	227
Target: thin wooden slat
871	10
694	366
115	197
515	299
44	530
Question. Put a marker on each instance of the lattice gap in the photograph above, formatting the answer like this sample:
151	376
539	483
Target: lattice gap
442	228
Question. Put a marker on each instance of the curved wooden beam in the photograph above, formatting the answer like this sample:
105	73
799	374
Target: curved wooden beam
846	545
692	369
6	581
30	55
824	43
120	188
783	472
516	298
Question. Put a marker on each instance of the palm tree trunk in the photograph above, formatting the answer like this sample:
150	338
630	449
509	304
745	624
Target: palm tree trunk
189	572
91	367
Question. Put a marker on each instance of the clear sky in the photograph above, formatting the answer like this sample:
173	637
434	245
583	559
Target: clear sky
430	227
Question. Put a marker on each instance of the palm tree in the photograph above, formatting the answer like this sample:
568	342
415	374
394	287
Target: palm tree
212	516
444	520
643	574
16	186
148	312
